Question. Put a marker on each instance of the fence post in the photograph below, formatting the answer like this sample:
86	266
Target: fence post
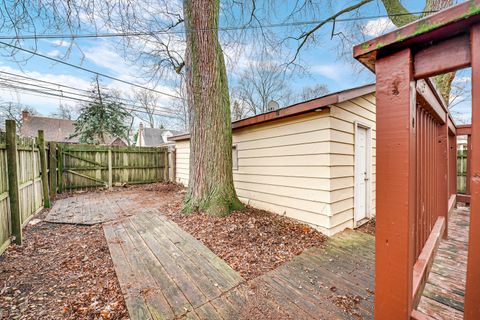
60	168
165	164
110	169
34	168
172	163
53	169
43	166
16	222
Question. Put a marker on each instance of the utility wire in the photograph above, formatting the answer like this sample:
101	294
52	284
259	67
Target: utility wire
88	70
52	95
128	102
232	28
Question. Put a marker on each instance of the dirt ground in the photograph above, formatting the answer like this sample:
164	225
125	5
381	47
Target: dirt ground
65	271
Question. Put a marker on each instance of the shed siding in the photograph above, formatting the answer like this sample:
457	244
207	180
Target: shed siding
343	117
301	166
284	167
182	161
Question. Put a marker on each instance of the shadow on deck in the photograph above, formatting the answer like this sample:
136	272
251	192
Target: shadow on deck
444	293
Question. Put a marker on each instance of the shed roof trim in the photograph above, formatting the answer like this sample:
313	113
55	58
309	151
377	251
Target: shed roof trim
297	109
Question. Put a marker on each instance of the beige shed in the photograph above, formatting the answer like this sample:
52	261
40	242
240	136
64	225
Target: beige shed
313	161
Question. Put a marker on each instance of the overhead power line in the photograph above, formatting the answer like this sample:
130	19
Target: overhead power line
88	70
61	91
56	95
182	31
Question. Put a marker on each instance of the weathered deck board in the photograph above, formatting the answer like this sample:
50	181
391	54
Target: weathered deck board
315	285
94	208
444	293
159	270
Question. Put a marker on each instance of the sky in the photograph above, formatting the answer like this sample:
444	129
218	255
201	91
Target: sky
326	61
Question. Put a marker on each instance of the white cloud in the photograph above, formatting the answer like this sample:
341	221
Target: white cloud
377	27
54	53
463	79
333	71
61	43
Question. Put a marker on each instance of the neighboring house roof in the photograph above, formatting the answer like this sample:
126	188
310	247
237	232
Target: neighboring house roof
152	137
298	108
58	130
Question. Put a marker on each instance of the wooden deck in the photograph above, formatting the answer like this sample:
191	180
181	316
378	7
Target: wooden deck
165	273
99	207
443	297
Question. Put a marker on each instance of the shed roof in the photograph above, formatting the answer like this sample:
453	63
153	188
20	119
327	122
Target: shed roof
451	21
298	108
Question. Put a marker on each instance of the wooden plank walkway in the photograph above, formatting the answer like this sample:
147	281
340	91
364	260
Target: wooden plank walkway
165	274
334	282
444	292
163	271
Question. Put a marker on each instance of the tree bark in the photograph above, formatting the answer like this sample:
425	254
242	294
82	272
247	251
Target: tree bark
211	186
394	7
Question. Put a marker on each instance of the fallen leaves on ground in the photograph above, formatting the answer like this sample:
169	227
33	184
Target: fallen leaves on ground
60	272
368	227
252	241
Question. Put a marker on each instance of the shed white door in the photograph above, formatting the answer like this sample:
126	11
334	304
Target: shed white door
361	173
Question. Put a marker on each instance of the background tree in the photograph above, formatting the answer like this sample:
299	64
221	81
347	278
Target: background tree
148	102
316	91
262	82
101	118
240	110
13	111
179	107
64	111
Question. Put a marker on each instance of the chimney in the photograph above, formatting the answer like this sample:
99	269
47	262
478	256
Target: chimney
25	115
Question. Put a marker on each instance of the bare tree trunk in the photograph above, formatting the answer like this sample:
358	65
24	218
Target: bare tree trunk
211	180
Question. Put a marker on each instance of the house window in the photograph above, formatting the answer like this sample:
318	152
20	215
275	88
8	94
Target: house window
234	157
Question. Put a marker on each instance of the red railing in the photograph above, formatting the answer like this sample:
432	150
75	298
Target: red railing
427	177
401	59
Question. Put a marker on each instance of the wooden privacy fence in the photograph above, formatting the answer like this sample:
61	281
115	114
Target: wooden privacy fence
21	193
87	166
32	171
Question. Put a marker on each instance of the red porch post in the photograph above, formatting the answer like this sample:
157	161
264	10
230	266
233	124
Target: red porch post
396	109
472	291
469	158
